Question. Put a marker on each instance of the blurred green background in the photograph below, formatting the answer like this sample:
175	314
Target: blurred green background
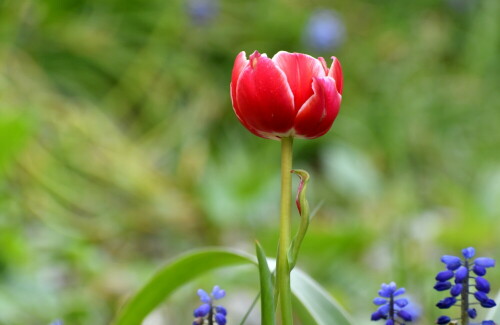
119	148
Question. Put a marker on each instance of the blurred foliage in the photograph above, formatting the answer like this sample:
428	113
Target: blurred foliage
119	149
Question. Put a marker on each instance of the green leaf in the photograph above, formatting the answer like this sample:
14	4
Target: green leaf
313	301
174	275
266	288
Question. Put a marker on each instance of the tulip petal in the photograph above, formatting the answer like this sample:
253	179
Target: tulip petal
239	64
336	73
299	70
323	63
264	99
316	116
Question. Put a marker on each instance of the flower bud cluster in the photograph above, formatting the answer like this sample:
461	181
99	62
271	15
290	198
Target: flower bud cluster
391	309
208	313
463	271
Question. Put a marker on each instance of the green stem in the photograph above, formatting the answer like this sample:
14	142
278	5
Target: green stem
283	268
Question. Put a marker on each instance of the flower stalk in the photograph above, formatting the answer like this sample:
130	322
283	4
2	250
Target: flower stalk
283	268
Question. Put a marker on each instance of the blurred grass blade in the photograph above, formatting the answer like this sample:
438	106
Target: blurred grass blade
266	288
314	304
173	276
14	133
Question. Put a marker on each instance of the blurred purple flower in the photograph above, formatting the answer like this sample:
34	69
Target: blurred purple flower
462	6
325	31
202	11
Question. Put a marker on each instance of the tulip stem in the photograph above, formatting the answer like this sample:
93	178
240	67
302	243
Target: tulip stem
283	268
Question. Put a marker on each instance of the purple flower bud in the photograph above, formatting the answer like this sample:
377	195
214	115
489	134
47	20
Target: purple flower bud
481	296
472	313
444	275
218	293
442	286
405	315
221	310
398	292
384	309
389	322
446	303
379	301
490	303
377	315
452	262
202	311
401	302
461	274
484	262
468	252
414	310
479	270
204	297
220	319
482	284
488	322
456	289
443	320
387	290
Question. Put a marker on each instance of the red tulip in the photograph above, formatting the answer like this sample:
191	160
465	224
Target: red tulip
290	95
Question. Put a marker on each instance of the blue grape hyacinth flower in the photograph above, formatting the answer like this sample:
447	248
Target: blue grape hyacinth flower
202	12
468	274
391	309
208	311
325	31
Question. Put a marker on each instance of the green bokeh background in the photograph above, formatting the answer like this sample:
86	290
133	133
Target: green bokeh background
119	150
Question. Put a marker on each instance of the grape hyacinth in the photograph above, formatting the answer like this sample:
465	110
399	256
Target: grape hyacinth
464	270
391	309
325	31
207	313
202	12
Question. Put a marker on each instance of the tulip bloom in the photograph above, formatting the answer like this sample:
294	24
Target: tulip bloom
290	95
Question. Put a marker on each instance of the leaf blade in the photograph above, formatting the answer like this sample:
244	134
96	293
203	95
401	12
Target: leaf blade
316	301
173	276
266	288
